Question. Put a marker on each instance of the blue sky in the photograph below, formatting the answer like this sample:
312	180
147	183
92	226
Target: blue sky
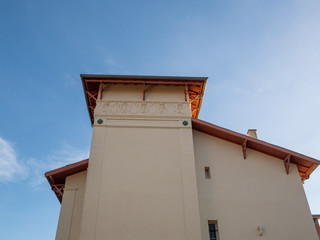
261	57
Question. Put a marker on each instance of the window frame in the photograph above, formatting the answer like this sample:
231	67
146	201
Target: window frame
215	230
207	172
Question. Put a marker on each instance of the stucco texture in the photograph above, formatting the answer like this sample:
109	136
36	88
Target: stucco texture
244	194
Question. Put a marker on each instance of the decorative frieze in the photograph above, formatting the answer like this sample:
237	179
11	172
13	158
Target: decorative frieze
141	110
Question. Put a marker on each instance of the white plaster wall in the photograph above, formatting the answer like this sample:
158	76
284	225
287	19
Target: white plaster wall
141	181
141	189
142	185
121	92
71	207
243	194
130	92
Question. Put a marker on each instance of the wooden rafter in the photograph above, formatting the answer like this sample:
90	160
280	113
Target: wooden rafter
92	95
186	92
100	90
306	175
144	92
195	98
58	190
193	92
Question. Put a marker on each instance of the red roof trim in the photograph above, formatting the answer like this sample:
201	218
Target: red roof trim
306	165
57	177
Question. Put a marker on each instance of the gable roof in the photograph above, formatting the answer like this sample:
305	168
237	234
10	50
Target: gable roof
306	165
57	177
194	86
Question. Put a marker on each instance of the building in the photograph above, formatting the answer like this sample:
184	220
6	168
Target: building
157	172
316	219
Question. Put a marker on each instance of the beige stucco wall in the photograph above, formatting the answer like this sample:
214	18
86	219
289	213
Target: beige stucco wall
146	180
243	194
141	181
129	92
71	207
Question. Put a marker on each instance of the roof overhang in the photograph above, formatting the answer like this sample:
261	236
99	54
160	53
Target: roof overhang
57	177
306	165
92	84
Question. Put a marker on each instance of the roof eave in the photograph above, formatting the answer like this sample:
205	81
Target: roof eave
86	97
142	79
257	145
201	99
57	177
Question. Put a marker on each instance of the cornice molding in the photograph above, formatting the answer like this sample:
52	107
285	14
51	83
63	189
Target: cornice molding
141	110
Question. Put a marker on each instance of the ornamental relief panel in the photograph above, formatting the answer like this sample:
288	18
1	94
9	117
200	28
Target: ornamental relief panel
142	109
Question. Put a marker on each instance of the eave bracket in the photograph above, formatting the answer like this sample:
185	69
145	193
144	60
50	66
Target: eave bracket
186	92
144	92
92	95
58	189
244	149
100	90
287	163
197	97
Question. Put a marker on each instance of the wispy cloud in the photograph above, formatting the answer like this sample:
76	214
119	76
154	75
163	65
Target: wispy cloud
13	168
65	155
10	168
71	80
108	61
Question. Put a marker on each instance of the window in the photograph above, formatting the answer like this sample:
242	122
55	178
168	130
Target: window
207	172
213	230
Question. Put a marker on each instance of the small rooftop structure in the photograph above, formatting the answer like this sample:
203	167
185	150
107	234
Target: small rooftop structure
194	87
